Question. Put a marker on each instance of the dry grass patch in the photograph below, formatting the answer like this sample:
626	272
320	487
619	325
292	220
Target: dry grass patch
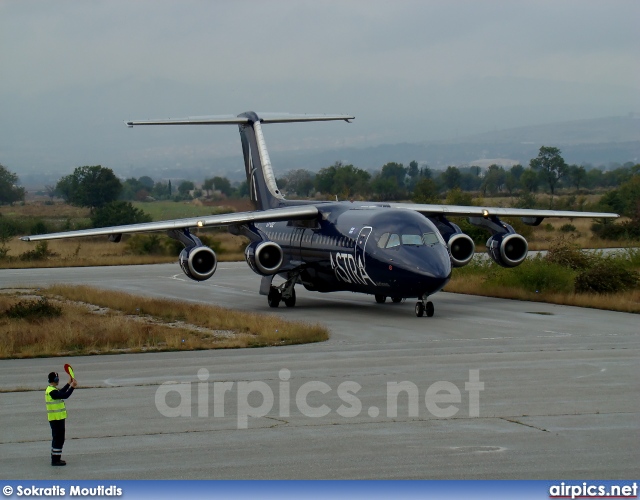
628	301
85	252
101	322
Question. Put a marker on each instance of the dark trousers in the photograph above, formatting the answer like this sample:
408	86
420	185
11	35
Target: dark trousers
57	435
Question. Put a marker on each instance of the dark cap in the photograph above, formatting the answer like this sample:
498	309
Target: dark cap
53	377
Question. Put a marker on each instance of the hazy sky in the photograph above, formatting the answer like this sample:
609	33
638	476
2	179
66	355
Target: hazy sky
72	71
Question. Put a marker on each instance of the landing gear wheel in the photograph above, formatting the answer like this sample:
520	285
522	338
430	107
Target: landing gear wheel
429	309
291	301
381	299
396	300
274	297
419	309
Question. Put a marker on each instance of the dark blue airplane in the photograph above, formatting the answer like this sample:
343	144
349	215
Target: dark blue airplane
396	250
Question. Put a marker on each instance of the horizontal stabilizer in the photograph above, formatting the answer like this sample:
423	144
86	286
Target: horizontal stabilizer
240	120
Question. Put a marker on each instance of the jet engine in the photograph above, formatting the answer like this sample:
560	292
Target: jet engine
198	262
507	249
461	249
264	257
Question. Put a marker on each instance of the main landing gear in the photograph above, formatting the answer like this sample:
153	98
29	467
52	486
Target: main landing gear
381	299
424	306
285	293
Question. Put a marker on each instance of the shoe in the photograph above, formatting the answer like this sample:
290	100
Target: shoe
59	463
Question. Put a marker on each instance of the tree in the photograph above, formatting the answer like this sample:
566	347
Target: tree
517	171
9	192
185	187
577	176
510	183
349	181
342	180
90	186
413	174
426	191
118	212
550	166
393	170
223	185
299	182
451	177
51	191
146	182
207	185
529	181
493	179
458	197
161	190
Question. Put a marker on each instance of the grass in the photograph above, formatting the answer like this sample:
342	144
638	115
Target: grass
545	279
164	210
96	321
83	252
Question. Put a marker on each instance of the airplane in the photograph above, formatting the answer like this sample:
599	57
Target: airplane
396	250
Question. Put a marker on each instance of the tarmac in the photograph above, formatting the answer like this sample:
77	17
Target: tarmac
486	389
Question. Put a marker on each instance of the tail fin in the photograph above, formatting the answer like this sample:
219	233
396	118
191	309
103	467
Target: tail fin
263	189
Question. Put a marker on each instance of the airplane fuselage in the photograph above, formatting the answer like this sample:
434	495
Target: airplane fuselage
363	248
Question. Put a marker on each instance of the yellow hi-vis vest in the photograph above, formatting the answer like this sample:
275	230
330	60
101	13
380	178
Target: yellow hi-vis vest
55	407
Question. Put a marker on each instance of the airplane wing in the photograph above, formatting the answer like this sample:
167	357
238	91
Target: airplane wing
529	216
273	215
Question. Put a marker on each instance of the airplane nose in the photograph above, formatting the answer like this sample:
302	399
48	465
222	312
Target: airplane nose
437	263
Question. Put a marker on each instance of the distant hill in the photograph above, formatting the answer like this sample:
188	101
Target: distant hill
598	142
613	129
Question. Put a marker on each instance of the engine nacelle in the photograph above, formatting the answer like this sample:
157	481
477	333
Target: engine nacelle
507	249
198	262
461	249
264	257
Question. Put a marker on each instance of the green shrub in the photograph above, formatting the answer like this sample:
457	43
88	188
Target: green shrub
534	275
549	228
629	230
147	244
568	228
155	244
606	276
33	309
39	227
567	254
40	252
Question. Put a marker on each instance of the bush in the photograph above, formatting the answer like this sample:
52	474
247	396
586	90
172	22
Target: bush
117	213
607	276
629	230
568	228
567	254
549	228
39	227
155	244
146	244
33	309
534	275
41	252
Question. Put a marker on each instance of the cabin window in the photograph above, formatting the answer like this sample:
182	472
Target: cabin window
430	239
412	239
383	240
394	241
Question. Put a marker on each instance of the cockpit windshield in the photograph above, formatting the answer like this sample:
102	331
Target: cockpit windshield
392	240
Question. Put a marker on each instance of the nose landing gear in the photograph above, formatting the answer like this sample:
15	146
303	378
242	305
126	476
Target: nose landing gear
424	306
